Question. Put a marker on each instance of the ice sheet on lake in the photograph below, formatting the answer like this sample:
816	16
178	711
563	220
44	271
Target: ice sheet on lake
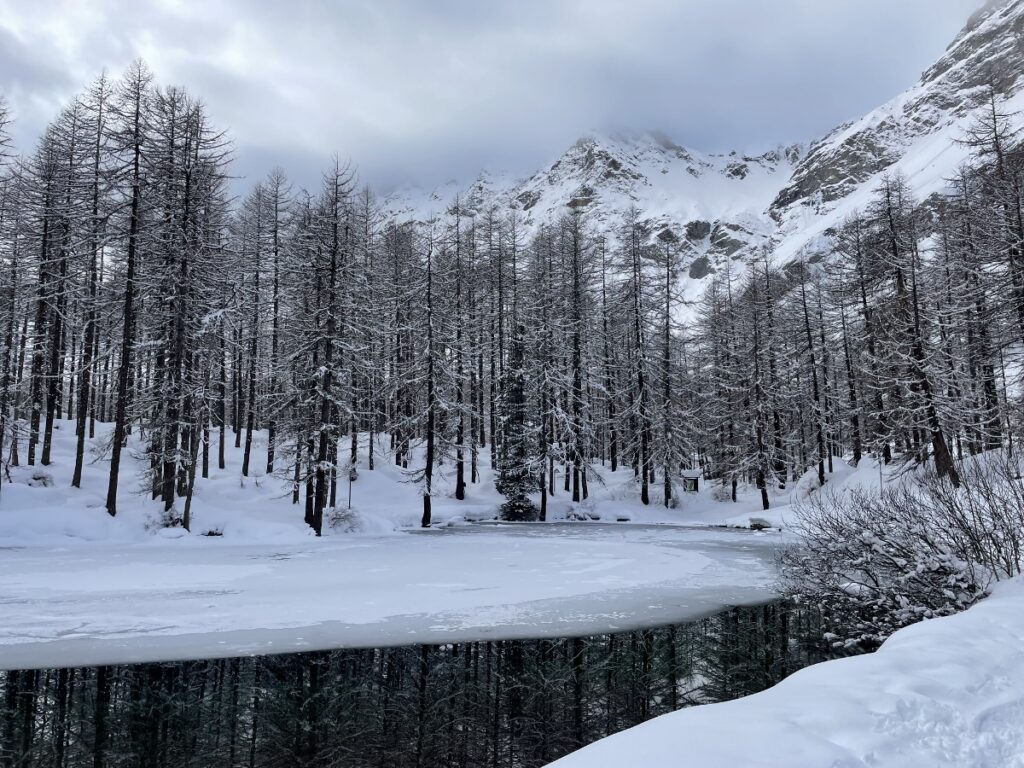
196	598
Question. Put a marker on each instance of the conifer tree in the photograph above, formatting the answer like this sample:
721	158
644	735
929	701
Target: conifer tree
515	479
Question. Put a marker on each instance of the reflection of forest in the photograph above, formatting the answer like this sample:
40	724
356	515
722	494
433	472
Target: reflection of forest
507	703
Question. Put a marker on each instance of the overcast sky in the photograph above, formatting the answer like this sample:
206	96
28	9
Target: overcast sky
426	90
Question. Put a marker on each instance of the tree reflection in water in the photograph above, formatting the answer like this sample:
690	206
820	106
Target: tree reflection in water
497	703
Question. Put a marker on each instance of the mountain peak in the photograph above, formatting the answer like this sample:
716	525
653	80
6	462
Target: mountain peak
721	206
988	51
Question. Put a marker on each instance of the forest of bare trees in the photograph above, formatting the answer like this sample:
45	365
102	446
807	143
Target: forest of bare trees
137	291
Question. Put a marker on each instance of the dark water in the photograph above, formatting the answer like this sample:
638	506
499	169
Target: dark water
499	703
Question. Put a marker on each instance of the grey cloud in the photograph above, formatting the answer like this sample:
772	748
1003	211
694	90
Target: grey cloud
428	91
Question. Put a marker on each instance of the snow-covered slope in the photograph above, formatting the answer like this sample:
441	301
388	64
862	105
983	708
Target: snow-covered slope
917	134
725	207
945	692
713	204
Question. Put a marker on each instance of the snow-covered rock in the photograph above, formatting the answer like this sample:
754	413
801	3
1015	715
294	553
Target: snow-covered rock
917	134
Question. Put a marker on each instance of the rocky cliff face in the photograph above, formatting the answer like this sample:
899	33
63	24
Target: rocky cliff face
725	207
915	133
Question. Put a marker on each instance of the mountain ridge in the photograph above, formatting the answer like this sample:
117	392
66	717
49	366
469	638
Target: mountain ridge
724	207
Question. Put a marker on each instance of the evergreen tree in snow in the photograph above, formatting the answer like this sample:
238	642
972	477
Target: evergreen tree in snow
516	479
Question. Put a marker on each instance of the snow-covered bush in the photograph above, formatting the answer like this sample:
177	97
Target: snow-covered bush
874	562
165	519
984	518
721	493
344	520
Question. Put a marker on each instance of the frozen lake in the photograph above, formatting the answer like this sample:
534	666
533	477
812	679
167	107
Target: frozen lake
90	604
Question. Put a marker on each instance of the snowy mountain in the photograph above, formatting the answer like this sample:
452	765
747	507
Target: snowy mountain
915	134
715	204
726	206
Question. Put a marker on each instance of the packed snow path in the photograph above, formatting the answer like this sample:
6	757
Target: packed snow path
199	597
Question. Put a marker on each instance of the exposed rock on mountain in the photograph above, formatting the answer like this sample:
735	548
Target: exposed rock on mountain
713	204
915	134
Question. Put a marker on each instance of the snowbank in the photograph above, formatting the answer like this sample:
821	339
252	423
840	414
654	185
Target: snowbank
945	692
40	508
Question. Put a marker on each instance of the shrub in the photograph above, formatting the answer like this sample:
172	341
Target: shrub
984	519
873	562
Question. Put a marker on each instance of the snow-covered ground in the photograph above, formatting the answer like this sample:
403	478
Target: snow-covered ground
78	587
945	692
42	509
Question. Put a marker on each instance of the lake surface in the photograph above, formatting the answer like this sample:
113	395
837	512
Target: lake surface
519	702
89	604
